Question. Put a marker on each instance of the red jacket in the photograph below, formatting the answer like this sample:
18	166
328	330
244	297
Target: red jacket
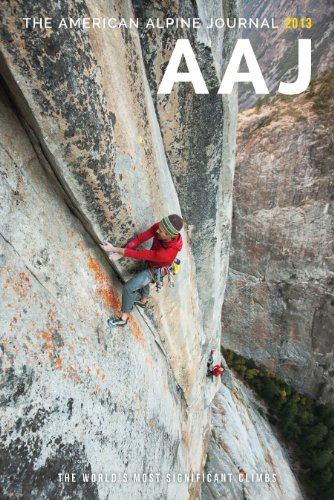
162	253
217	370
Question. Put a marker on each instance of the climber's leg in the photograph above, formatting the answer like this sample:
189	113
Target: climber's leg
140	282
144	294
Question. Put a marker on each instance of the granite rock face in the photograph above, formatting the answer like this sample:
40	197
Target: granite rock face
277	48
202	186
84	155
279	303
74	398
241	438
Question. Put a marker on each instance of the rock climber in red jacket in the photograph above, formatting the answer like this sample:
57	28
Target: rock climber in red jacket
167	242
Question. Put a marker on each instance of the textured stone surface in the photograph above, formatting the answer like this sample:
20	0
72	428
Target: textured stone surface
74	397
279	303
277	49
113	153
99	155
195	159
242	438
91	163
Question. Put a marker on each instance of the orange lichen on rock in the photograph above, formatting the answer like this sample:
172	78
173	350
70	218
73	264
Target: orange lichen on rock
135	329
58	363
8	281
71	372
46	336
51	314
50	346
18	285
104	288
24	277
186	438
109	297
80	244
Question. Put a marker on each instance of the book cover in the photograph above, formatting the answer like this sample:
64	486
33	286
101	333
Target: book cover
114	116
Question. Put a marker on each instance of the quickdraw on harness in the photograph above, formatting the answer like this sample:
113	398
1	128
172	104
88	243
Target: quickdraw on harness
158	274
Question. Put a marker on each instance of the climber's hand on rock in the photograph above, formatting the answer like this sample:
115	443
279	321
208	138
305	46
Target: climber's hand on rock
119	250
108	247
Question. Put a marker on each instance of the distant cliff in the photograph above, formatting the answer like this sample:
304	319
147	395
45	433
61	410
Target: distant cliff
279	303
277	49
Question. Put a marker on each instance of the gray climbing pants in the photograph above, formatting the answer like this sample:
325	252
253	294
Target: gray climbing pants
139	283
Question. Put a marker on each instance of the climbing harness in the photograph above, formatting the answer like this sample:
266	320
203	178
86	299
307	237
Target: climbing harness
158	274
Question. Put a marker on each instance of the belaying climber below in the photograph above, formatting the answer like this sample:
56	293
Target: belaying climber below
212	369
167	242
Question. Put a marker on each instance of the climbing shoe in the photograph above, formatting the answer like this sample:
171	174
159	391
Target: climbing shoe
141	304
116	321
